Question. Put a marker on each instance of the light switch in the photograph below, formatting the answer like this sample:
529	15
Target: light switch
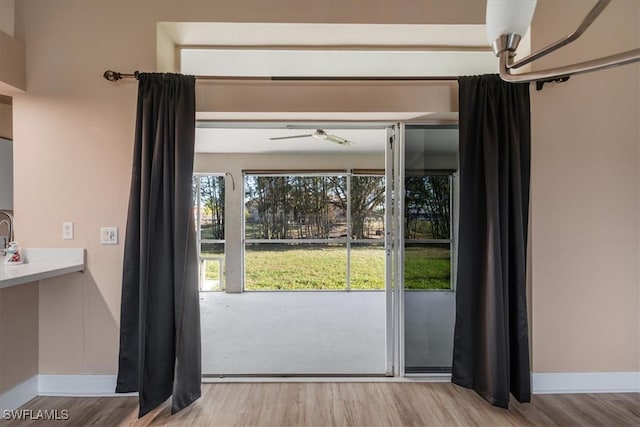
109	235
67	230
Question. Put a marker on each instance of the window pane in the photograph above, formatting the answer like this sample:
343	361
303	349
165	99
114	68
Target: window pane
367	207
427	266
367	266
208	195
211	272
211	266
294	207
211	207
272	266
212	250
427	207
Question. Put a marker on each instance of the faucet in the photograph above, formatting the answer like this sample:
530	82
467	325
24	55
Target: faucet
7	238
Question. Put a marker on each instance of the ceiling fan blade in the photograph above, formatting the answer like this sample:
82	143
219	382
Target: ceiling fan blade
338	140
291	137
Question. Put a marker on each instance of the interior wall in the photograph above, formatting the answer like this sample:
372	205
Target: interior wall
585	197
74	132
234	164
81	148
18	305
279	96
18	334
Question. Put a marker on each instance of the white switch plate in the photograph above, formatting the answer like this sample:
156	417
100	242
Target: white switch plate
108	235
67	230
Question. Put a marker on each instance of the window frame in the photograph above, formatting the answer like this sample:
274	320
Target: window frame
199	240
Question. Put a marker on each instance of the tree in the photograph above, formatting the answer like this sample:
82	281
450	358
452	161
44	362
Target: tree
427	206
212	197
307	207
367	199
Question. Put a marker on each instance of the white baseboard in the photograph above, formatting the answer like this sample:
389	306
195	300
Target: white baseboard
586	382
105	385
78	385
19	395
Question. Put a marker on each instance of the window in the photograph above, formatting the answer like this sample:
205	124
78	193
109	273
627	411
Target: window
208	192
314	231
427	231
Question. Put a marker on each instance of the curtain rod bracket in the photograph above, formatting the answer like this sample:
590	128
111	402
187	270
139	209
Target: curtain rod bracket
540	83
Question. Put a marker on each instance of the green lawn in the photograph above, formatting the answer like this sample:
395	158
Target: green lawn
299	267
427	267
272	267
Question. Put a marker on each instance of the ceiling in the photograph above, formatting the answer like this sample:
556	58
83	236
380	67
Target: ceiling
254	138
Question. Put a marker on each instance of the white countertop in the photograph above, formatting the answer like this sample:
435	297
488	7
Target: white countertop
41	263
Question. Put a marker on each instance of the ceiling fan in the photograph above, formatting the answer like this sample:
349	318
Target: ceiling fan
319	134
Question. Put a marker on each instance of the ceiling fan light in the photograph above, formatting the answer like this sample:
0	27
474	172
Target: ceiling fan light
319	133
508	17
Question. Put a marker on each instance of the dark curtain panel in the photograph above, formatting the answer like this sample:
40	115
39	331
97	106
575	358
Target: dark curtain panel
160	315
491	347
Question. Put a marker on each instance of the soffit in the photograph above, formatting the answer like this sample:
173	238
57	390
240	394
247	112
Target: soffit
314	34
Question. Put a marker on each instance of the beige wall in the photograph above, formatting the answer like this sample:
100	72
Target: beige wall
18	334
73	134
585	198
18	305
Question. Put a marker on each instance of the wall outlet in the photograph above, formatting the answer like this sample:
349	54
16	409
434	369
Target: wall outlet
108	235
67	230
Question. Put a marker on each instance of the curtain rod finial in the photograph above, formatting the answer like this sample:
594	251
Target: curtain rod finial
112	76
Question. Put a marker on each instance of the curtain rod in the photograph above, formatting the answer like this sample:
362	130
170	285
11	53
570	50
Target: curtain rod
113	76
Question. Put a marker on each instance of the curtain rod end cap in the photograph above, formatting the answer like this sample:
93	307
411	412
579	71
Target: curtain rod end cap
112	76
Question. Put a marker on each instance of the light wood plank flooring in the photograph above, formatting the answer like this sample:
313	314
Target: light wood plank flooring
346	404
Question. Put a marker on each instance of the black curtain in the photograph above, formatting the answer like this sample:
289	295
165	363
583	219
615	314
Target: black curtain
491	347
160	314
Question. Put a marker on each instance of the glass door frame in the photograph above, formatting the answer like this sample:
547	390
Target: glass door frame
390	249
397	252
395	286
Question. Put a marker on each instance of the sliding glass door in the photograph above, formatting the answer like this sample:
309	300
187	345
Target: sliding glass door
429	228
304	289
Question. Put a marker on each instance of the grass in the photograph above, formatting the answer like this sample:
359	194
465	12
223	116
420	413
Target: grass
427	267
305	267
302	267
367	267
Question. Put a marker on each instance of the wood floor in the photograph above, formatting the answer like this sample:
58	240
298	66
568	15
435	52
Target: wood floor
345	404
